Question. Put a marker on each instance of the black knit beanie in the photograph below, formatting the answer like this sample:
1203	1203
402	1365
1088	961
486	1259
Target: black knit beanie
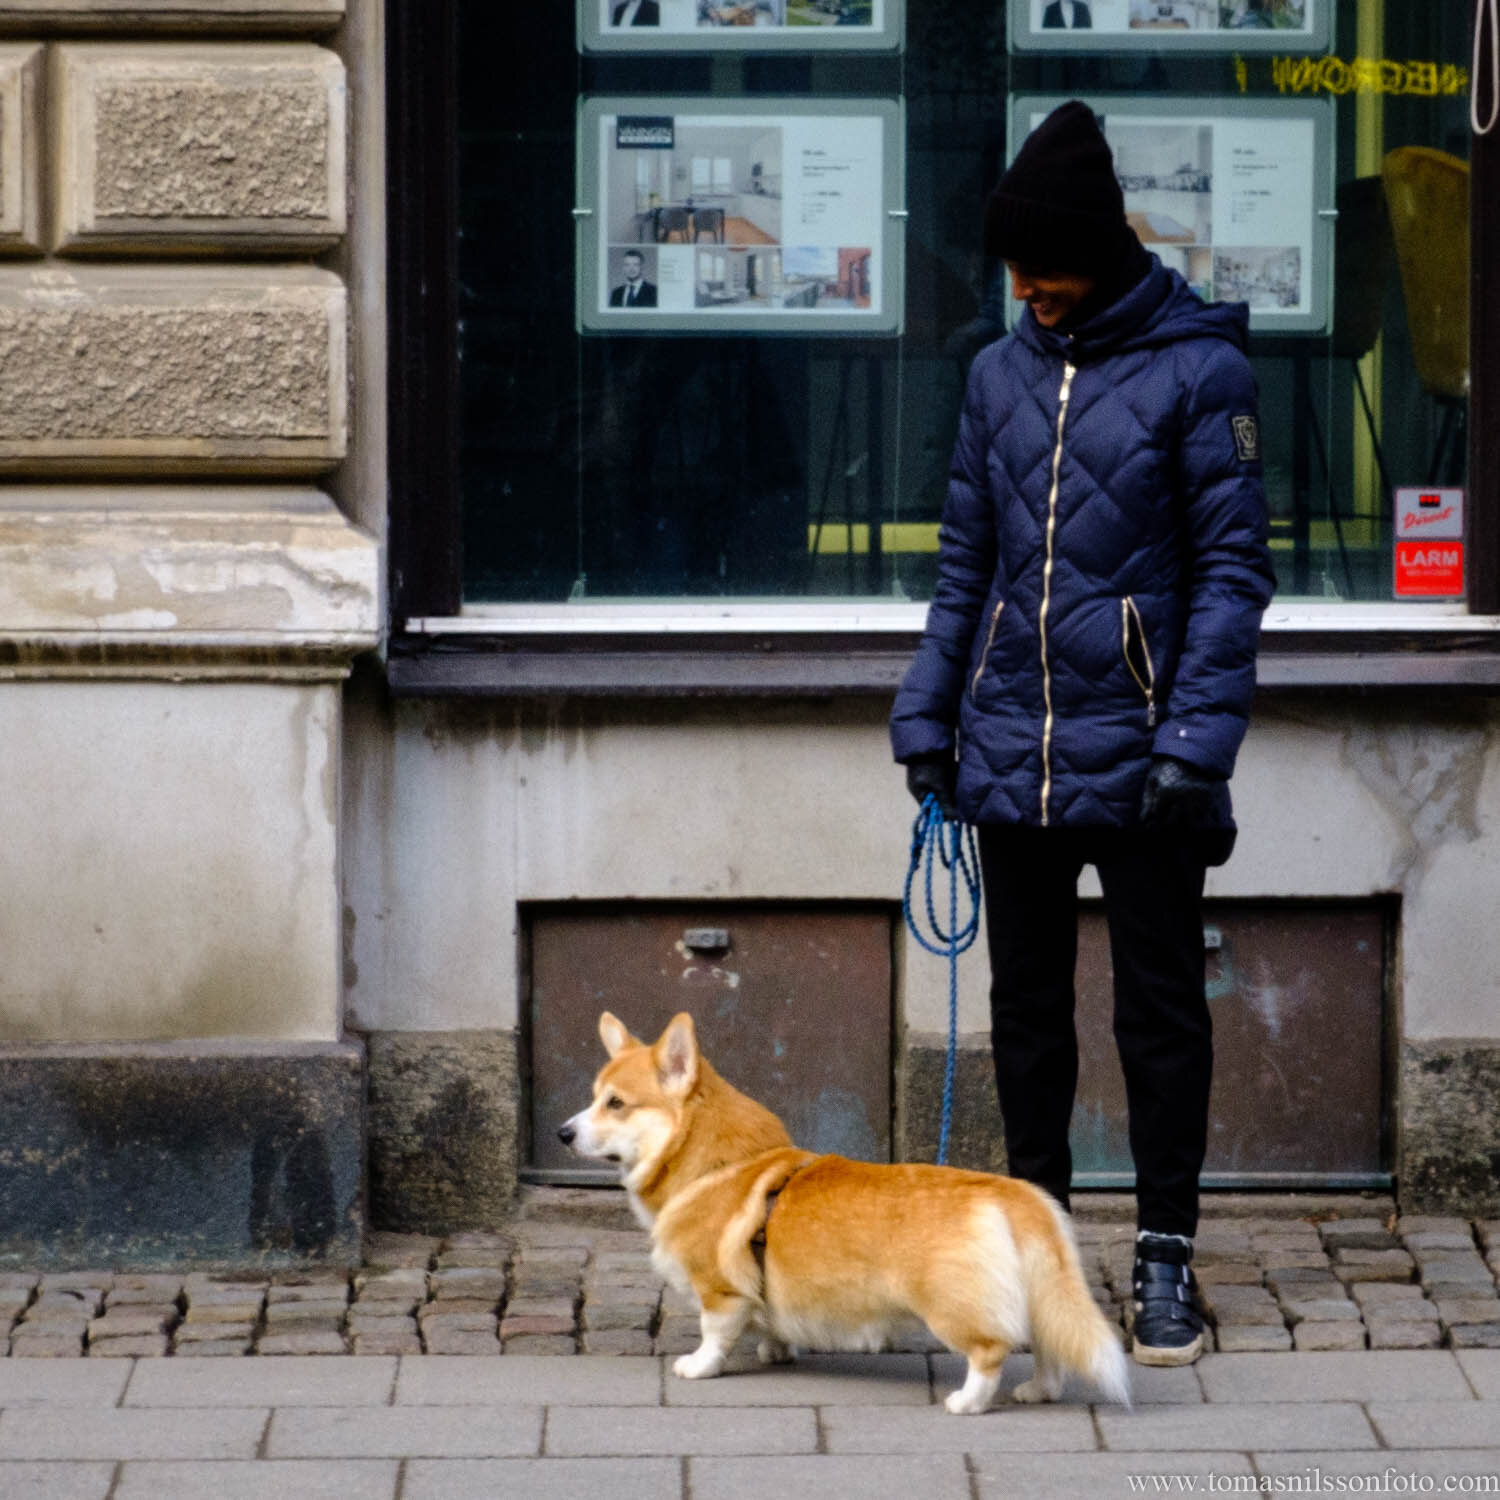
1059	206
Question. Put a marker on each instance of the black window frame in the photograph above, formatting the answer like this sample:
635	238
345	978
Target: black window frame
424	521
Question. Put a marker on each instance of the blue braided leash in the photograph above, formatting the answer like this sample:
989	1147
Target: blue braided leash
938	840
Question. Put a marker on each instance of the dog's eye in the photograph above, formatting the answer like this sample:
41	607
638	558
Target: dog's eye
614	1102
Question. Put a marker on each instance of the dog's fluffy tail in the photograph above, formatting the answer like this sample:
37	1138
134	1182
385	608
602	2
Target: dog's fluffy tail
1068	1331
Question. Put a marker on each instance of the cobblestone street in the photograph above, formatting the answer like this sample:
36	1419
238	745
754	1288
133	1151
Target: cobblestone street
554	1283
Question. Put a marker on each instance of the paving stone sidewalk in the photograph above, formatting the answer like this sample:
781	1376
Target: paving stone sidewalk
564	1284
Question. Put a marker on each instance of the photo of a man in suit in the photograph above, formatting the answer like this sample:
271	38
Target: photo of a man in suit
635	290
1072	15
636	13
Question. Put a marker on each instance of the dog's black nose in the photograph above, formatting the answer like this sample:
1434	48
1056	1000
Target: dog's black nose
565	1134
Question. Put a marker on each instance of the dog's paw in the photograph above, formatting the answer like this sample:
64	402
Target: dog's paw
964	1404
1030	1392
701	1364
774	1352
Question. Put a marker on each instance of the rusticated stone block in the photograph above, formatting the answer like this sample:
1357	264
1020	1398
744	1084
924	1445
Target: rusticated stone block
20	173
442	1129
1450	1132
221	1152
213	146
179	15
193	369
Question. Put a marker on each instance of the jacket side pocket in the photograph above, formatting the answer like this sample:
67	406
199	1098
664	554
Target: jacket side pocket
1138	655
989	645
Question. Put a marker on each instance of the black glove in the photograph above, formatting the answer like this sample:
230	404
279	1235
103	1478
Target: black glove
934	776
1179	796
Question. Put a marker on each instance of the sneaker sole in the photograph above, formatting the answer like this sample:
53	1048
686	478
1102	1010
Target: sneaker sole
1184	1354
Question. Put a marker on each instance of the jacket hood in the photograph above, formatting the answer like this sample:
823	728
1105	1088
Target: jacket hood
1159	309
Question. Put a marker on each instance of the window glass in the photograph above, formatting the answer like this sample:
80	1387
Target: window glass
754	463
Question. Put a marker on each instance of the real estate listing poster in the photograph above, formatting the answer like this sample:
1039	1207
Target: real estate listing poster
739	25
1171	25
1229	192
767	215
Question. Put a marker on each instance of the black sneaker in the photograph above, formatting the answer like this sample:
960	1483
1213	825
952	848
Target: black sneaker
1168	1327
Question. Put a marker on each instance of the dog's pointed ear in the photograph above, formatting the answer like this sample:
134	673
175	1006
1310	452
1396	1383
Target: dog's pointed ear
677	1056
613	1034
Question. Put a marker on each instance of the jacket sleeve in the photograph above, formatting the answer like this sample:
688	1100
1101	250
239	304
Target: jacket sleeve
1230	579
925	715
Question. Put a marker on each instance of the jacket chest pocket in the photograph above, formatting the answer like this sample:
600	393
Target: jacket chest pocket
1137	651
989	646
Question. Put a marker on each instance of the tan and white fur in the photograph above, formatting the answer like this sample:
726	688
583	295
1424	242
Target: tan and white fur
852	1250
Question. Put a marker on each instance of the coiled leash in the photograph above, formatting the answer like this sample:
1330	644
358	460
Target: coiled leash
945	841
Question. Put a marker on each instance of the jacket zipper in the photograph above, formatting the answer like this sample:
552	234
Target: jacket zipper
1129	613
989	642
1062	412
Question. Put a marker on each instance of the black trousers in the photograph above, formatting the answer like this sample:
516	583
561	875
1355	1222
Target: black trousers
1153	898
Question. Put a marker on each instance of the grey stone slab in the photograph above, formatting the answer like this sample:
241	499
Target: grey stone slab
1437	1424
1393	1334
633	1431
74	1383
1419	1375
1322	1336
56	1481
461	1380
1239	1426
1148	1386
1005	1429
1074	1476
1252	1338
1321	1309
261	1479
405	1432
815	1380
1482	1366
312	1380
123	1433
937	1476
543	1478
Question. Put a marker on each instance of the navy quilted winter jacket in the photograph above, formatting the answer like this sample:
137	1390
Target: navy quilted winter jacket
1102	564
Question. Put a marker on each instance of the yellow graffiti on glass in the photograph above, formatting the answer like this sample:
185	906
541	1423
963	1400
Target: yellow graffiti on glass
1366	75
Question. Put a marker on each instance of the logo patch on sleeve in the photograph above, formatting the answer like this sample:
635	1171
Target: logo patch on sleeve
1246	438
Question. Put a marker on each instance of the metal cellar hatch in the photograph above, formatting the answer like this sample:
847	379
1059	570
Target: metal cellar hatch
792	1004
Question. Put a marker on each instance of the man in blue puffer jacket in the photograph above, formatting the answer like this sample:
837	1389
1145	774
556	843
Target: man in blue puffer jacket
1084	681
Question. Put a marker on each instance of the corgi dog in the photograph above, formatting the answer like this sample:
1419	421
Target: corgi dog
829	1253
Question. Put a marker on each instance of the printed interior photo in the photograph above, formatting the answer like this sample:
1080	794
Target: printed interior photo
1265	276
1263	15
826	277
732	278
716	183
1195	263
1166	173
1174	15
742	12
796	278
830	12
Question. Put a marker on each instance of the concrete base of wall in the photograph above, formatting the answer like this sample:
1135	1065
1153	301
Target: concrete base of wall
976	1136
443	1129
1450	1128
135	1155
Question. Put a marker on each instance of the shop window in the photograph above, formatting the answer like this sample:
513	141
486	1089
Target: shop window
776	427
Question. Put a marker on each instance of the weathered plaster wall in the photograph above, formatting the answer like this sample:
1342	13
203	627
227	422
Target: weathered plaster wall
484	809
456	814
169	860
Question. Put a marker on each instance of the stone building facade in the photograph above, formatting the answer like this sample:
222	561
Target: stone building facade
264	920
